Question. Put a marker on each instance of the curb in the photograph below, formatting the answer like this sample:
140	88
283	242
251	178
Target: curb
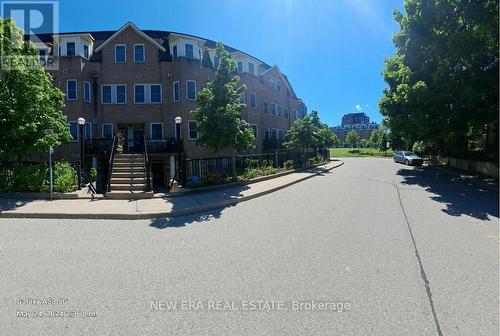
176	213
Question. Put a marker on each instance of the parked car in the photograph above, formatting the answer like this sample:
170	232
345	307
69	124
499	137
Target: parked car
408	158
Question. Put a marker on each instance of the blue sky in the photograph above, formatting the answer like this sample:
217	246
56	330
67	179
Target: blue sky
331	50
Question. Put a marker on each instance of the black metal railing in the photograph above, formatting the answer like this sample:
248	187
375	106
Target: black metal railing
110	163
154	146
272	143
167	145
148	167
98	146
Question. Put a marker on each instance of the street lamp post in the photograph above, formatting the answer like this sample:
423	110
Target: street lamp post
81	179
49	133
178	122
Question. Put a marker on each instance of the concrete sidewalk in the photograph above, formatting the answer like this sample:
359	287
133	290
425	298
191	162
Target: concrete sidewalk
156	207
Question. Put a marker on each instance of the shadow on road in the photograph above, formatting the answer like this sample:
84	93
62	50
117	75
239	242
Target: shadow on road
176	222
460	196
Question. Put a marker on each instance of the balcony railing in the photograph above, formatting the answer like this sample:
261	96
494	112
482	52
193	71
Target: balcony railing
103	146
272	144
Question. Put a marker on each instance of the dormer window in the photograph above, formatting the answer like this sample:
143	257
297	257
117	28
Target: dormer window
240	66
174	51
120	53
189	50
85	51
70	49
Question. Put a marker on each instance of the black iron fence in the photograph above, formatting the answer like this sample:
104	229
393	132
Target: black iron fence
208	171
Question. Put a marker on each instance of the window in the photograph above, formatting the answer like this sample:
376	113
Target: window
155	90
253	100
147	94
106	94
285	112
70	49
174	51
42	53
138	53
279	111
88	131
273	133
114	94
121	94
251	68
140	94
240	66
86	92
107	130
191	90
193	130
216	62
86	51
176	91
273	109
274	83
156	131
279	134
267	133
254	129
189	50
120	53
71	91
265	107
73	129
242	97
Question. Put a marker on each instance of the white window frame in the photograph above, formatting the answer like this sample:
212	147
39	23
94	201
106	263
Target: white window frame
74	42
275	109
76	89
116	94
87	83
178	90
151	131
251	73
254	107
187	90
102	94
125	53
242	66
279	111
102	129
189	130
149	93
83	51
185	50
143	53
145	94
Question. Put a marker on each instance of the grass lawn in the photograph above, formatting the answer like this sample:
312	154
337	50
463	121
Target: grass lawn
354	152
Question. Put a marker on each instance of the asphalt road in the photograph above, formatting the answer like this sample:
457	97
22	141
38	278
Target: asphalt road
379	248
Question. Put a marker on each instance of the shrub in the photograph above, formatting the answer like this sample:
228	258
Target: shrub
64	177
30	177
6	180
251	173
311	161
93	174
251	163
288	164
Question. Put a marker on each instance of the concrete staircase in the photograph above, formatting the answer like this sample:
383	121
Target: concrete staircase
129	178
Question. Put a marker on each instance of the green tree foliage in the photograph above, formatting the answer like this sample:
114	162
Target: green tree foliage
443	80
352	138
219	111
375	138
29	102
310	133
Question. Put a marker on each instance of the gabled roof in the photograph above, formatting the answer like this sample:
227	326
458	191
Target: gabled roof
285	79
137	30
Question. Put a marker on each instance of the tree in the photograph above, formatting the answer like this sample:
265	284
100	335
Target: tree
375	138
443	81
310	133
29	102
352	138
219	111
383	143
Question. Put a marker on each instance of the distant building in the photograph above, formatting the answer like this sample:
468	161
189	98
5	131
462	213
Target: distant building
359	122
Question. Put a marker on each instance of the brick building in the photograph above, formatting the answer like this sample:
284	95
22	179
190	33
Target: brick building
359	122
137	81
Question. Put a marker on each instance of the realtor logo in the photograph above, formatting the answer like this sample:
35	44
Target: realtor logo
34	18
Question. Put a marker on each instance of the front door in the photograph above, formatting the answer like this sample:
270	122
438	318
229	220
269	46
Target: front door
124	132
138	140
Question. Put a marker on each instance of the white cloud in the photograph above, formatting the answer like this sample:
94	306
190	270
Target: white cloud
358	107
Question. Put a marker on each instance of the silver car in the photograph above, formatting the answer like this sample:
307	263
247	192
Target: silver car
408	158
